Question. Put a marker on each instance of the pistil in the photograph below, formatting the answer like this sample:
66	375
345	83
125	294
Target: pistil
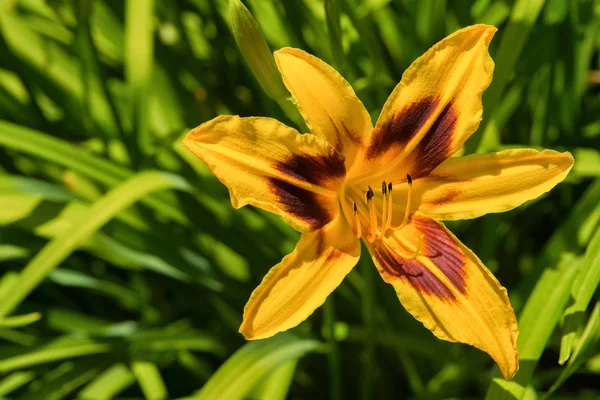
376	232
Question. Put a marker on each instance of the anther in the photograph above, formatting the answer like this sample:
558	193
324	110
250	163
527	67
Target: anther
387	210
384	208
370	194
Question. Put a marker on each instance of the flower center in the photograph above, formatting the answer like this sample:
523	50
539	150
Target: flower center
376	231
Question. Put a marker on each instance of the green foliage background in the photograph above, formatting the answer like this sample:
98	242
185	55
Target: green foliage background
124	269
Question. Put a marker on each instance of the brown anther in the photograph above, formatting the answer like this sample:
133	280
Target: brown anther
369	194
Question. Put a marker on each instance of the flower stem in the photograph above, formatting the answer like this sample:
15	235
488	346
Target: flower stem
335	376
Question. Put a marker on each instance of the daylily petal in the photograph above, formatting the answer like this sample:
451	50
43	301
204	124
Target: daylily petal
272	166
449	290
433	110
301	282
471	186
328	103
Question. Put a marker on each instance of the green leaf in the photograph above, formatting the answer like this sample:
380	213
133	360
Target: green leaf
63	153
67	378
14	381
60	349
148	376
332	15
583	289
99	214
586	347
20	320
514	37
251	363
277	384
537	321
139	58
108	384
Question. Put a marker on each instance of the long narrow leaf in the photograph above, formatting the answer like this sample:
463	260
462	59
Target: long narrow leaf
99	214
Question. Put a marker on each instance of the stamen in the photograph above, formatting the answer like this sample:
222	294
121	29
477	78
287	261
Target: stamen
358	227
387	210
372	214
384	209
407	245
407	211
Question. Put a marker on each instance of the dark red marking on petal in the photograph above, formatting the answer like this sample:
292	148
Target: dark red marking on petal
415	273
448	178
447	197
301	203
316	169
443	251
321	170
320	243
345	133
436	145
402	127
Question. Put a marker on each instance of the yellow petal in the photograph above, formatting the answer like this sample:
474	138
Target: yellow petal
471	186
449	290
301	282
272	166
433	110
328	103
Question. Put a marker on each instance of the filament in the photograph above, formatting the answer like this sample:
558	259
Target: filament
407	211
375	231
357	219
372	214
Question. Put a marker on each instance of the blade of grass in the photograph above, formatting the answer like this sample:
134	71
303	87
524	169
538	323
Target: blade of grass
99	214
582	291
537	321
586	347
276	386
333	355
514	37
332	15
75	375
108	384
148	376
15	380
96	94
572	235
251	363
368	316
63	153
139	56
60	349
20	320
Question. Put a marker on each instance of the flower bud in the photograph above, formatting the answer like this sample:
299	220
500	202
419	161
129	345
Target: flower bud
255	50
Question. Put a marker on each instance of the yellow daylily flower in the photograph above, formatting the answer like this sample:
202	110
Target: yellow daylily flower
321	184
